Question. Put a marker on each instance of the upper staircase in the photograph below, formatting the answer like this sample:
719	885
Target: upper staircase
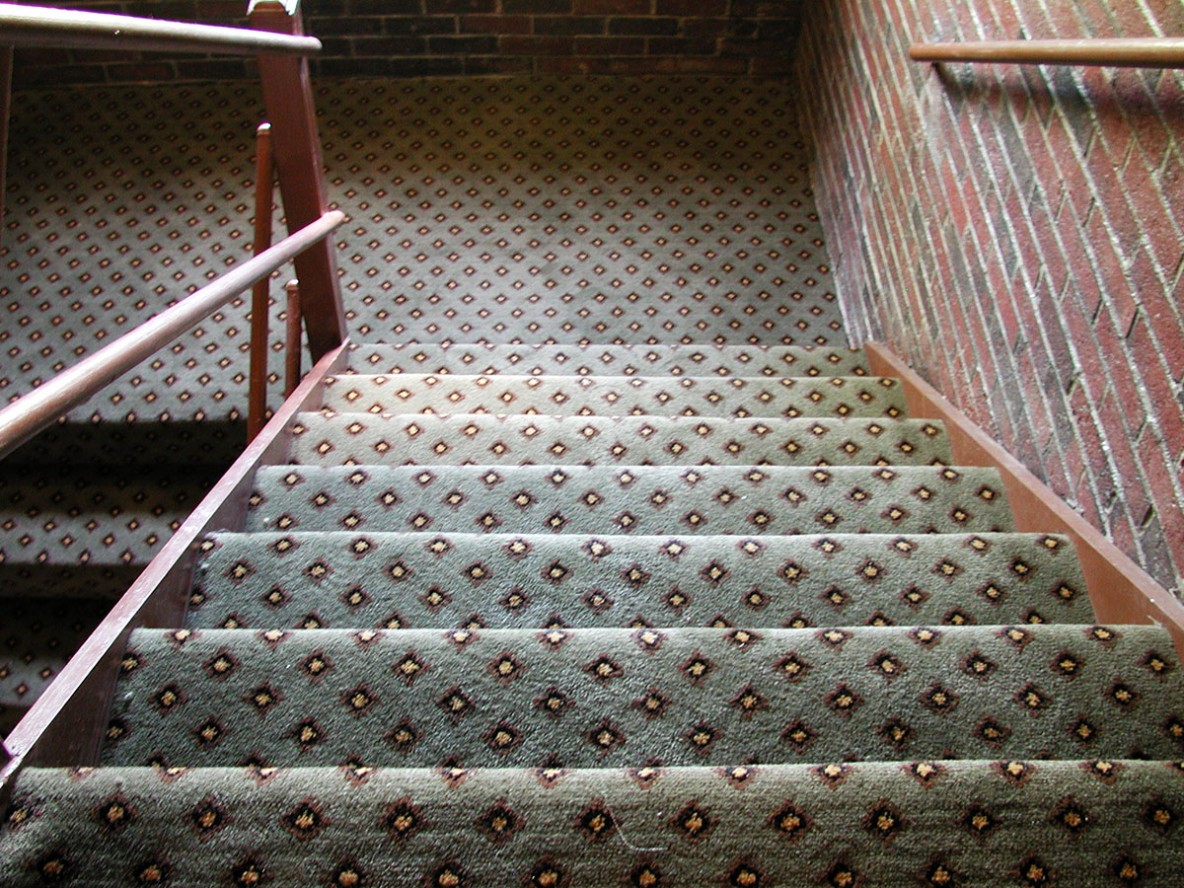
597	615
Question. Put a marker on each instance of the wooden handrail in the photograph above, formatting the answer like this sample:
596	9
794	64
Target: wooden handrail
65	725
1127	52
39	26
42	407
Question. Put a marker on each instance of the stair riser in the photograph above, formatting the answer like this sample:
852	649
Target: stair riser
838	397
635	500
607	360
359	439
782	825
612	698
425	580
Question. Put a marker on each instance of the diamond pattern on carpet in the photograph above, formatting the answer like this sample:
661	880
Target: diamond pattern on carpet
637	210
394	581
738	397
631	500
334	439
607	360
743	674
88	515
583	698
37	637
1082	823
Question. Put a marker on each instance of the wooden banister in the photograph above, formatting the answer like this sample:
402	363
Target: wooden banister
287	95
65	725
42	407
39	26
1128	52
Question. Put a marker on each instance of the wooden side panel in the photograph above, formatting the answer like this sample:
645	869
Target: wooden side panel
287	95
66	725
1120	590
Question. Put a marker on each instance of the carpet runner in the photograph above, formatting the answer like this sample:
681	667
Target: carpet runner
758	667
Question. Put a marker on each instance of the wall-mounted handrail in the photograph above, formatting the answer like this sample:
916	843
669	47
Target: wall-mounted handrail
1124	52
39	26
43	406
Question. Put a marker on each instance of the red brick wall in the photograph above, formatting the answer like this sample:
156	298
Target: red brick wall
415	38
1016	234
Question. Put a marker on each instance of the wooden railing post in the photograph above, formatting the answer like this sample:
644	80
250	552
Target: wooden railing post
5	113
260	291
287	95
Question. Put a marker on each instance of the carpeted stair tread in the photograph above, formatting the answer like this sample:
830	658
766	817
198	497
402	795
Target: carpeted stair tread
607	360
961	823
106	515
328	438
737	396
407	580
37	637
620	697
636	499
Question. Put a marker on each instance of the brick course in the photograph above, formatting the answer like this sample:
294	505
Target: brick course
1015	233
410	38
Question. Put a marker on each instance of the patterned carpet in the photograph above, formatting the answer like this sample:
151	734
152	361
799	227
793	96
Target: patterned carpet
624	587
549	675
524	210
506	210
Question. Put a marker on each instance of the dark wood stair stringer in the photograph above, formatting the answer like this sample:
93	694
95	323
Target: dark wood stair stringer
65	726
1119	590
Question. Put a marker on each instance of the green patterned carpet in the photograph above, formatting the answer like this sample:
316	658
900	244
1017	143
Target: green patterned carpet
599	578
469	671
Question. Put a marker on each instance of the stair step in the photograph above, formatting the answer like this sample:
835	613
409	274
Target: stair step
618	697
636	500
328	438
37	637
949	823
608	360
88	515
409	580
737	396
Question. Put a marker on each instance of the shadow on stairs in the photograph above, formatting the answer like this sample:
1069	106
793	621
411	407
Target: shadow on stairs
84	507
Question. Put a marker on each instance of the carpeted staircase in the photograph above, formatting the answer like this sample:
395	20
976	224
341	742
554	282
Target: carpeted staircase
611	615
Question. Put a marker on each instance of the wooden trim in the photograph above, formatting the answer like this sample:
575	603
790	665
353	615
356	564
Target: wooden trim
260	290
39	26
66	724
287	95
1136	52
5	113
41	408
1120	590
292	338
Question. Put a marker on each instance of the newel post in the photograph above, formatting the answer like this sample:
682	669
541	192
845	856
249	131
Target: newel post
287	95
